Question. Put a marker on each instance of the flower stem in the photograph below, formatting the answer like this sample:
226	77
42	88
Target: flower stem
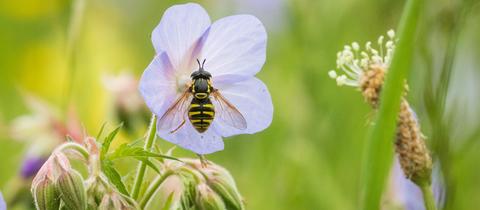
76	19
151	134
153	187
76	147
428	198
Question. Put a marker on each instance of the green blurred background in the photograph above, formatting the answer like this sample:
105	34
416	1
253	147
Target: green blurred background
310	157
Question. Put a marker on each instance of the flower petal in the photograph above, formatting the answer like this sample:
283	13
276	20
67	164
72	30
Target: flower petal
252	99
187	137
179	29
157	85
235	48
3	206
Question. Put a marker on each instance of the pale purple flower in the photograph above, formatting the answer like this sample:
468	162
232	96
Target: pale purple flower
234	48
3	206
406	194
273	13
31	165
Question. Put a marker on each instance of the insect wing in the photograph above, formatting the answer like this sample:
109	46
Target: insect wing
227	113
175	116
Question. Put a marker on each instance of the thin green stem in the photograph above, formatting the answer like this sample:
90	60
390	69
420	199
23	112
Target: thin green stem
153	187
76	147
78	10
151	135
428	198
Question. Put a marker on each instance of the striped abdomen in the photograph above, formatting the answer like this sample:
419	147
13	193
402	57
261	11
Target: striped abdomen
201	114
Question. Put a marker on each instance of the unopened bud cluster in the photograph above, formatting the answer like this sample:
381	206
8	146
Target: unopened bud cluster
366	70
59	186
182	184
192	184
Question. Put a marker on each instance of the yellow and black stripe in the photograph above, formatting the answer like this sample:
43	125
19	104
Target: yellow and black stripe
201	114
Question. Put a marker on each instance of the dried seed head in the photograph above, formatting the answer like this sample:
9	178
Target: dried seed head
410	146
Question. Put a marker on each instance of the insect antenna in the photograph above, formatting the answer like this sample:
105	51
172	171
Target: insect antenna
200	66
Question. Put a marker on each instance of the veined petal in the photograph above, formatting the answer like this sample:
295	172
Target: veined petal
187	137
252	99
158	85
235	48
178	32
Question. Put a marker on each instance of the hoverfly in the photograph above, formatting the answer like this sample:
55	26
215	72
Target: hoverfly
197	102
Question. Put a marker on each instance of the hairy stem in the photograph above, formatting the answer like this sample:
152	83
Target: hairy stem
151	135
76	147
153	187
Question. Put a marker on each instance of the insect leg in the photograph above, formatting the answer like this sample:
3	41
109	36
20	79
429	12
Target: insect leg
203	160
181	124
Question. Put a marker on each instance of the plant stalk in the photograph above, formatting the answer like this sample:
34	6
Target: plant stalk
153	187
76	147
428	198
75	24
379	148
151	136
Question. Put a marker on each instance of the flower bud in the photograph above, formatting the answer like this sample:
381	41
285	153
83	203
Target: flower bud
222	182
45	195
70	186
115	201
207	199
169	195
96	189
43	187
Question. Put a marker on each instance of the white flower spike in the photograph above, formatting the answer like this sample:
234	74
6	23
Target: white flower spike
354	62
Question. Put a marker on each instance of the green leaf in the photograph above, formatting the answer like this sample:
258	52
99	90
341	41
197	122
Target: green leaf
113	176
379	149
148	163
100	132
108	140
126	150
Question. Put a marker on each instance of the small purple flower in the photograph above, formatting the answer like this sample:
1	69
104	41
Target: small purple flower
234	48
408	195
3	206
31	165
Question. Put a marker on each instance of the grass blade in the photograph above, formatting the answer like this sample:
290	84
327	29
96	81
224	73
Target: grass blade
379	151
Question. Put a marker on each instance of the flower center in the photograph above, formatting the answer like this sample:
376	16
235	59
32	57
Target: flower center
182	82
